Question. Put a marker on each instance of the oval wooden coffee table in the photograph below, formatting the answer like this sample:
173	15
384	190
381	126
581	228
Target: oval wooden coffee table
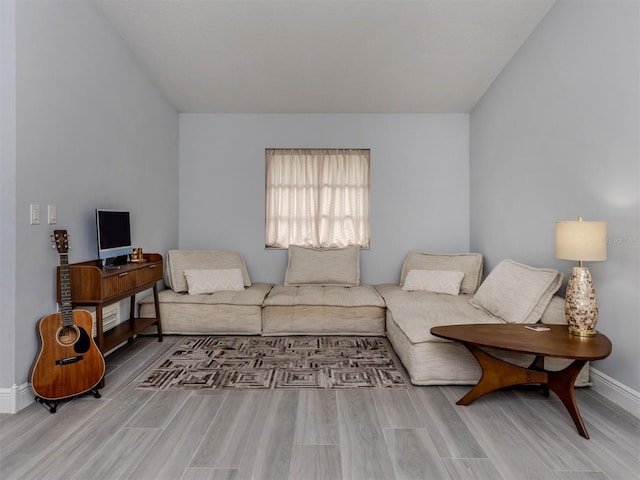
555	342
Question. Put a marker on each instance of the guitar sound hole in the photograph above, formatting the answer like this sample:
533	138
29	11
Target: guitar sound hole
68	335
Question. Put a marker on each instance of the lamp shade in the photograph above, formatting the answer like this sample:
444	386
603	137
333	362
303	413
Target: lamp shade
581	241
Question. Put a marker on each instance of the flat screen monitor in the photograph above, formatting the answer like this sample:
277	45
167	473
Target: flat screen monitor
114	235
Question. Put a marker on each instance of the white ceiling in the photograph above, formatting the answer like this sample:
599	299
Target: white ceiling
324	56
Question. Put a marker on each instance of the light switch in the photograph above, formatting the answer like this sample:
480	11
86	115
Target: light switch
34	214
52	214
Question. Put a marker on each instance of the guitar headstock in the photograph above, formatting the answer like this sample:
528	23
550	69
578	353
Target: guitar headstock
61	241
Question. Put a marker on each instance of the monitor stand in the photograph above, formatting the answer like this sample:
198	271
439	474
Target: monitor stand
114	262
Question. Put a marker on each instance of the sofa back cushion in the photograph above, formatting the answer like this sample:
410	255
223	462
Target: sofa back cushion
468	263
517	293
331	266
180	260
554	313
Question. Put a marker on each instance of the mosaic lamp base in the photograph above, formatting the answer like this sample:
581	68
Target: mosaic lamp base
581	305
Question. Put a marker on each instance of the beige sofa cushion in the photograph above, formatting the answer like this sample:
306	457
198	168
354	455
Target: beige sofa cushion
517	293
416	312
253	296
322	320
554	313
323	310
332	266
328	295
221	313
468	263
180	260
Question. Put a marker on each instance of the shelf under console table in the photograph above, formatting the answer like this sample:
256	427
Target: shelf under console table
97	286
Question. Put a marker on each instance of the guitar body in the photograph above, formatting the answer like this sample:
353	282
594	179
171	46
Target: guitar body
69	362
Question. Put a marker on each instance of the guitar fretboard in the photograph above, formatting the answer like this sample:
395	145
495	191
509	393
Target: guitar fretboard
65	291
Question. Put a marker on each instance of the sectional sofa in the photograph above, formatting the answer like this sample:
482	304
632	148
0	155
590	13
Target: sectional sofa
210	293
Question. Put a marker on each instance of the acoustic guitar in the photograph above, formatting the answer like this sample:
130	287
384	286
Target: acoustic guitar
69	362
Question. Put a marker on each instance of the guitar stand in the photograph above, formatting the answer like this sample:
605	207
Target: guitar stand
53	404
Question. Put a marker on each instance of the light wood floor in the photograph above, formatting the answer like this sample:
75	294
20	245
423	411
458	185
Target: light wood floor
312	434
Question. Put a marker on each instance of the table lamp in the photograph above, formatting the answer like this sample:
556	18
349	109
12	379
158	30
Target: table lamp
583	242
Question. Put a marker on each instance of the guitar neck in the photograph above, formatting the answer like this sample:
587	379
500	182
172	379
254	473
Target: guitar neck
65	291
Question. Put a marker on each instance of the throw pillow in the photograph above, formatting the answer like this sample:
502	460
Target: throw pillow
436	281
332	266
210	281
517	293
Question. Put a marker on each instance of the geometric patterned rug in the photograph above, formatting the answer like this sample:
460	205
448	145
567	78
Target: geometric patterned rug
236	362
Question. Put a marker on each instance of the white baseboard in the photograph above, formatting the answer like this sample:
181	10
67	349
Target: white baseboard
615	391
15	398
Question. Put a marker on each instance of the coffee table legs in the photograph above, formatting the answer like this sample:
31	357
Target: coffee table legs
497	374
561	383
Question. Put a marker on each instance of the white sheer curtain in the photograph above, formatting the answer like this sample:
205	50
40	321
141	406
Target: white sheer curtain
317	197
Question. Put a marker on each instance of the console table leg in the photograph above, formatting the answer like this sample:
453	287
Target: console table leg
100	336
132	312
497	374
157	304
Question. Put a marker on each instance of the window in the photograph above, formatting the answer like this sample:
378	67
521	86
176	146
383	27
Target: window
317	197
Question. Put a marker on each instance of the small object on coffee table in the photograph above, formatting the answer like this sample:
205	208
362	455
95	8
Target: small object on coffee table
538	328
497	373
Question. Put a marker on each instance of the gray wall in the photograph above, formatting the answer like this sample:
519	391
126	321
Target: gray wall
419	183
91	131
7	192
555	137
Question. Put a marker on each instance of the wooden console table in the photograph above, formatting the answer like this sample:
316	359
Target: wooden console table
95	286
